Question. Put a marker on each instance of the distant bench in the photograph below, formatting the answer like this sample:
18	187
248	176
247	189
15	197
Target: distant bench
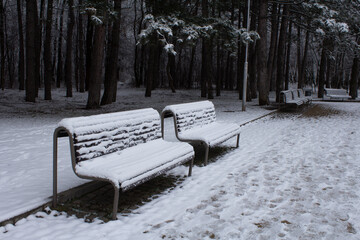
196	123
294	97
335	94
124	148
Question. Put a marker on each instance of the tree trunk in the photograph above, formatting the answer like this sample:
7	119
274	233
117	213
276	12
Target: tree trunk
191	67
2	45
60	74
322	70
328	72
21	65
96	67
288	53
252	83
281	52
218	69
69	46
301	80
354	78
273	42
206	61
170	71
110	84
48	73
139	50
151	70
298	49
31	28
89	47
262	58
81	52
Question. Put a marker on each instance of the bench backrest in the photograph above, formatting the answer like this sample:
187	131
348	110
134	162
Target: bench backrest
192	115
332	91
286	96
102	134
295	94
301	93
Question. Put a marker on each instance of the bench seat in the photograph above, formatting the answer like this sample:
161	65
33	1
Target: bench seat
130	166
213	133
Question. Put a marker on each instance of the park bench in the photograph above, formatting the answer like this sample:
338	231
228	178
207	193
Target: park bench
295	97
123	148
196	123
302	96
335	94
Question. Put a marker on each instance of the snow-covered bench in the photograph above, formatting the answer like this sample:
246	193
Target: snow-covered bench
123	148
295	97
335	94
301	94
196	123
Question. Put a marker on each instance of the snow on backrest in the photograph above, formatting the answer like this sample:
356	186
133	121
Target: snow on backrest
295	94
301	93
190	115
101	134
288	96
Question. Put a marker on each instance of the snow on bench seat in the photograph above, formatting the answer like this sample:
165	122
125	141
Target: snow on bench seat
123	148
196	122
335	94
131	165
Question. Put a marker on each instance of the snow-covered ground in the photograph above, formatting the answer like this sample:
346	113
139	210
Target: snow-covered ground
293	177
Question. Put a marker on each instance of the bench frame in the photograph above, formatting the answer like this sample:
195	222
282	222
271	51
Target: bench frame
64	132
191	141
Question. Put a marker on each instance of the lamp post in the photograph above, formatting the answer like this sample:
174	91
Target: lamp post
246	61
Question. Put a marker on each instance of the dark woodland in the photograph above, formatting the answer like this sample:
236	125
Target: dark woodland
90	46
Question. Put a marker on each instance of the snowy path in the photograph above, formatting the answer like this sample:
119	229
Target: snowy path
292	178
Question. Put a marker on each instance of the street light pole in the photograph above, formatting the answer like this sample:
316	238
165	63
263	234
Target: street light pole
246	61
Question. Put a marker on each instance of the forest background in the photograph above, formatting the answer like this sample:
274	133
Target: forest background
91	45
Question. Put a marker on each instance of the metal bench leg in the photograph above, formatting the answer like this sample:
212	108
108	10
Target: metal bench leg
237	140
55	145
116	203
207	147
190	167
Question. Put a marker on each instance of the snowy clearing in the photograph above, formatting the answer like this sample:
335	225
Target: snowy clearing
293	177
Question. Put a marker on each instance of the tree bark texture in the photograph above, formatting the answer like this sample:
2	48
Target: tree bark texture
110	84
273	41
81	52
2	45
21	74
31	47
60	70
96	67
69	46
322	70
48	73
280	77
262	58
354	78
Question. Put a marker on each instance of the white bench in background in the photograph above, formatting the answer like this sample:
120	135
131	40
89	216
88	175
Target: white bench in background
295	97
335	94
123	148
196	123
